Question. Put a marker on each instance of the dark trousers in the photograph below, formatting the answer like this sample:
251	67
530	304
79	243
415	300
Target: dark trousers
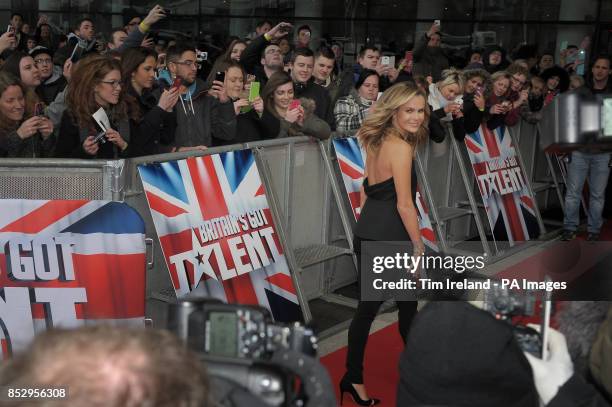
359	329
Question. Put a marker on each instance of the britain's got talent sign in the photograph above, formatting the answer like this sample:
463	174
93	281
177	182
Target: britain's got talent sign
67	264
351	160
502	184
216	231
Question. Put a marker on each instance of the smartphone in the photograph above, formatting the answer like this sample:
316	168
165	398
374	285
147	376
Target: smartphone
161	60
295	103
220	77
177	83
39	109
408	57
76	53
100	138
10	28
167	11
254	91
563	45
437	22
384	60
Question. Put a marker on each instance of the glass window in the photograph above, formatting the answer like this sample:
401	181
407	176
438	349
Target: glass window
350	35
267	8
394	9
552	10
548	37
391	36
86	6
445	10
606	10
53	5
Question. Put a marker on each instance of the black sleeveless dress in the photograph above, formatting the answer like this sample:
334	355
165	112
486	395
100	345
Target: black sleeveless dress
379	219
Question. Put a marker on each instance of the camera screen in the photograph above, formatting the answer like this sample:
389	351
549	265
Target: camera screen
223	334
606	117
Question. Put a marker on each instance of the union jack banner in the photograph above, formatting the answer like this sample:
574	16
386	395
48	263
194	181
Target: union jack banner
216	231
351	160
502	184
67	264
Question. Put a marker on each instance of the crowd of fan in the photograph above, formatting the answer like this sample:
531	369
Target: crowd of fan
158	100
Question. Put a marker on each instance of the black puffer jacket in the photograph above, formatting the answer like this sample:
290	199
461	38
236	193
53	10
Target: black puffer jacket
154	132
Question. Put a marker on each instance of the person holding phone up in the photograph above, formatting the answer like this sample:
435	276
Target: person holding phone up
23	132
285	116
248	105
429	58
153	120
474	103
498	106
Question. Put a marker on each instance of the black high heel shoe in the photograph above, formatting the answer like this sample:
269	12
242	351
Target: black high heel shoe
346	386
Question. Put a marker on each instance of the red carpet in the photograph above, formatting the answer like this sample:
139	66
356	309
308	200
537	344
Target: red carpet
380	369
385	346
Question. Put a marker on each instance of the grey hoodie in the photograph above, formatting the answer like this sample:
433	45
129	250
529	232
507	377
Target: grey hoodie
199	116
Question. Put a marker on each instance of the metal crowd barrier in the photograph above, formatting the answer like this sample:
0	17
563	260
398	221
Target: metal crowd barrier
304	202
303	188
41	178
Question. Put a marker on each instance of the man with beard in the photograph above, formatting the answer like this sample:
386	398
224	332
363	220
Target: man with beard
200	114
600	82
262	57
429	58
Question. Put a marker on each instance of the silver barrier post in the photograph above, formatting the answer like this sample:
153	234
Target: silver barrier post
283	235
470	194
433	209
517	151
346	225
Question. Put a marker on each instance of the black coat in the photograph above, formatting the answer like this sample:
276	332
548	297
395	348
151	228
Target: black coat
154	132
69	144
472	116
249	128
251	59
323	108
577	393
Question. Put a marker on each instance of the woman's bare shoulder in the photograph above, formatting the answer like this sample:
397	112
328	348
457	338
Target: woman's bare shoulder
396	147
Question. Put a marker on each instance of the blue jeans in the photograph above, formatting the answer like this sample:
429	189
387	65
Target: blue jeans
596	167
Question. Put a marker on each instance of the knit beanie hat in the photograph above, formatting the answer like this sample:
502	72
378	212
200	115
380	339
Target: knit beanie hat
458	355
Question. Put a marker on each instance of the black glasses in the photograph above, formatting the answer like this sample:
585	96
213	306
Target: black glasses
46	61
114	84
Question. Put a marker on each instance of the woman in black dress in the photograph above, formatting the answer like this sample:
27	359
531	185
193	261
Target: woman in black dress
389	135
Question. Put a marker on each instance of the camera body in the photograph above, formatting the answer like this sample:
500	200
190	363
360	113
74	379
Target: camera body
504	304
246	352
284	28
235	331
201	56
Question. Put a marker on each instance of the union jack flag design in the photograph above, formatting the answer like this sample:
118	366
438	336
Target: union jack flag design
92	252
351	160
187	199
508	202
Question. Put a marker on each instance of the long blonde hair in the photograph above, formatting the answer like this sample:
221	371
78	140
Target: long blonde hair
378	125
